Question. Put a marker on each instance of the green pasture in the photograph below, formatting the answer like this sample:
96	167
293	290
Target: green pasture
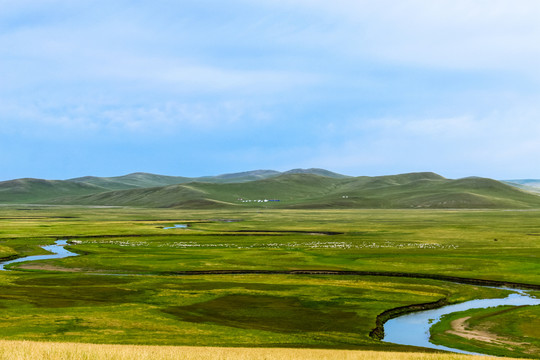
495	245
226	310
77	298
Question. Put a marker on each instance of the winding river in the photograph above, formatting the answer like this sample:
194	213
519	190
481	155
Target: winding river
411	329
57	252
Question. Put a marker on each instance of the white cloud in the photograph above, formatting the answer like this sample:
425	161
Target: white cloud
108	44
453	127
510	127
495	145
455	34
175	117
169	118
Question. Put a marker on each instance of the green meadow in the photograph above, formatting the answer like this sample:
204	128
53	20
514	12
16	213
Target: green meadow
131	283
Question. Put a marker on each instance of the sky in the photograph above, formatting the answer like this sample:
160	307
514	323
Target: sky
206	87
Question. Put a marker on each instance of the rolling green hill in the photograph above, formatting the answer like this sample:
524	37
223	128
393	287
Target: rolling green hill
316	171
298	190
145	180
239	177
131	181
36	190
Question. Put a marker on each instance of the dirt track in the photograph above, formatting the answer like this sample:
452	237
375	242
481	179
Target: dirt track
460	328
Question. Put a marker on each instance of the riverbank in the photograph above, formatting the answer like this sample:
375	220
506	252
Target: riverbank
57	251
503	331
414	328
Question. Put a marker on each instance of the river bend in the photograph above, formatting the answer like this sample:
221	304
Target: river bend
57	252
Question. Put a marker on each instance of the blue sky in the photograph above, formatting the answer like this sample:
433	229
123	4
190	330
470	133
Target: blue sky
207	87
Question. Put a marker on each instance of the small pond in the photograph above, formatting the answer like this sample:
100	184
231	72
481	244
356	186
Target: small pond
176	226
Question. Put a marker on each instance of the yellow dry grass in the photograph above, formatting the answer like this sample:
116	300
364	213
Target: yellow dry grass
29	350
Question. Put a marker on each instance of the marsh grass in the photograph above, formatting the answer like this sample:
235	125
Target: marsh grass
218	310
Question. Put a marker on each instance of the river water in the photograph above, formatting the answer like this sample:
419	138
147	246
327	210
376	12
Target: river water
177	226
413	329
57	252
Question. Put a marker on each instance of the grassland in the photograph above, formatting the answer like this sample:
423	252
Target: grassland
74	300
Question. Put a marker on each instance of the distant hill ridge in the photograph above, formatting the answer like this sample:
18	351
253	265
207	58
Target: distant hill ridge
532	185
140	179
28	190
297	188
